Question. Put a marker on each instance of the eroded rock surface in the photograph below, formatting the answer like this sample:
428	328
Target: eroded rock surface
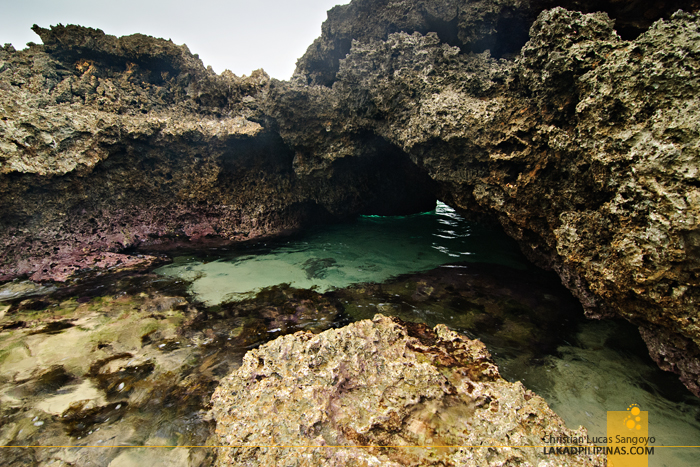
581	142
381	383
107	143
472	25
584	147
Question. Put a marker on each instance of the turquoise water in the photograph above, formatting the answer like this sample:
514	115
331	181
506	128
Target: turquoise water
372	249
483	287
132	359
606	367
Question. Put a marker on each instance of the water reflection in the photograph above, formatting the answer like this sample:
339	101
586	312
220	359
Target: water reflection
134	360
373	249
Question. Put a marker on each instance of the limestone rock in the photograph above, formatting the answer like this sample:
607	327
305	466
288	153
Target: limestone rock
82	116
108	143
343	394
584	147
471	25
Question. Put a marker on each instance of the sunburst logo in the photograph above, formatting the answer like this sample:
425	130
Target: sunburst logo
628	438
633	420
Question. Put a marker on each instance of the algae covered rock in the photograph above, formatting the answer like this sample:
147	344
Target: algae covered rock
377	392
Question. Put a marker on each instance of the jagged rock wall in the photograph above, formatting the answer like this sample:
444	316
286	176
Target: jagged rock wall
501	26
583	146
107	143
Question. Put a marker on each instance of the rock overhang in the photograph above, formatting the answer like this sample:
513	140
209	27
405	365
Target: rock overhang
581	147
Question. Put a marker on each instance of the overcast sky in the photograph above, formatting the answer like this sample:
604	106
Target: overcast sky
241	35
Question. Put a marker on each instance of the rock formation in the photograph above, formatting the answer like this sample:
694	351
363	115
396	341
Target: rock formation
343	394
582	143
109	143
584	147
472	25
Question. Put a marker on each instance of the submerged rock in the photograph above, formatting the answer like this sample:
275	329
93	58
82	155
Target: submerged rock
580	139
130	359
521	315
359	393
583	147
95	363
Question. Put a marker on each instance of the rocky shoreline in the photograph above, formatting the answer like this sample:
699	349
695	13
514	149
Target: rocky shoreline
131	360
580	142
583	147
380	392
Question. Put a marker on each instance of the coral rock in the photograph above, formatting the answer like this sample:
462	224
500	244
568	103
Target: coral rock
370	392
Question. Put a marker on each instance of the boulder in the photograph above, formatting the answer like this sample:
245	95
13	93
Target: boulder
382	392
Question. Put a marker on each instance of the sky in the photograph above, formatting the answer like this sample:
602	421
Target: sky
239	35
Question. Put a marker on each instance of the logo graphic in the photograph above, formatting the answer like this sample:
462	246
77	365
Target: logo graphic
628	438
633	420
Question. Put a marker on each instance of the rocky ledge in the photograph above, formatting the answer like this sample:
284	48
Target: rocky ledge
580	142
583	146
359	393
109	143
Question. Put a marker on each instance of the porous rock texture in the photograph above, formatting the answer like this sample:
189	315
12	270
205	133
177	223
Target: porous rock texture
581	143
108	143
501	26
584	147
342	394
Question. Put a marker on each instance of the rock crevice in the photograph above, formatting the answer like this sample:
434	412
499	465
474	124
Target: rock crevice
582	144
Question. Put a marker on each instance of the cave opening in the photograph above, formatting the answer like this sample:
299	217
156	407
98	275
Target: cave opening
447	31
390	183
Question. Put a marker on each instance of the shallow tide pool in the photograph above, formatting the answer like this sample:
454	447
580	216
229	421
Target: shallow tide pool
372	249
132	359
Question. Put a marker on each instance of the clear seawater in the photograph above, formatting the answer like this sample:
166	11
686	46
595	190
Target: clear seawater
132	360
593	368
372	249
